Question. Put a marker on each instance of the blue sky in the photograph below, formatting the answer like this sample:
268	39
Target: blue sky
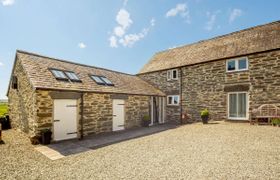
118	34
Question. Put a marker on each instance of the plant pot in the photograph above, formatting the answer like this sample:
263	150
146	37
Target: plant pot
204	119
145	123
46	137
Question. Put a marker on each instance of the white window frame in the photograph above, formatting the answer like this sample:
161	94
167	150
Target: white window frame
237	65
172	103
247	106
170	74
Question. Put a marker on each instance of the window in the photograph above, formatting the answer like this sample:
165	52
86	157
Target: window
238	105
14	82
172	74
240	64
107	81
72	76
173	100
101	80
58	74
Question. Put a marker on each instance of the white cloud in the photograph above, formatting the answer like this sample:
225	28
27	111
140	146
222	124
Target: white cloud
180	9
212	17
119	36
125	2
82	45
130	39
235	13
123	18
119	31
1	64
153	22
113	42
7	2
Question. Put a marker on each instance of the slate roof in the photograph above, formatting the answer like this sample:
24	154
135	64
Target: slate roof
37	69
256	39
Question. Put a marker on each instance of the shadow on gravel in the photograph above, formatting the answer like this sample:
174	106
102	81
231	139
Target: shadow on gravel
65	148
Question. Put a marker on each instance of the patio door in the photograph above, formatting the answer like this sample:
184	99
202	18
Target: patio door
157	110
118	114
238	105
65	119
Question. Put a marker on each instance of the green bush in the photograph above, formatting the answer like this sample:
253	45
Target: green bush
275	121
146	117
204	113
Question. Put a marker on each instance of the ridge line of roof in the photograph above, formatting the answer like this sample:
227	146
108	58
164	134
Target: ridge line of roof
71	62
221	36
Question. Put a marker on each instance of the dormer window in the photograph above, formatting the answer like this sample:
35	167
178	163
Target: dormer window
14	82
240	64
172	74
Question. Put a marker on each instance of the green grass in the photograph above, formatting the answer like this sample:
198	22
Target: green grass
3	109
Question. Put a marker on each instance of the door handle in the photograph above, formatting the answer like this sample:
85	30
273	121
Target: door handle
56	120
114	115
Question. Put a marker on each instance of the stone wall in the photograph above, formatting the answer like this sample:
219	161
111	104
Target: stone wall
207	85
98	111
22	110
265	79
171	87
135	108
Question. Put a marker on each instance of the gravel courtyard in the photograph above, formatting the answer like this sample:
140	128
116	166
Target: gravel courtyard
215	151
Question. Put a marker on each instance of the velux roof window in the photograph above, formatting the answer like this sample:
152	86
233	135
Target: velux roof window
101	80
72	76
65	75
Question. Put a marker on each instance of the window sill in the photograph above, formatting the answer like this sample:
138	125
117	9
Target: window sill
238	119
237	71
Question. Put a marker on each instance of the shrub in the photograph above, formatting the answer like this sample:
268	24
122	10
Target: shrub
275	121
204	113
146	117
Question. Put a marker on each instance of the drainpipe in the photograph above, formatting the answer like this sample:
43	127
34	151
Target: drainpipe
82	116
181	99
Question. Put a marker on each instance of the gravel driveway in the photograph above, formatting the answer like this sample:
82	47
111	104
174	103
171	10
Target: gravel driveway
214	151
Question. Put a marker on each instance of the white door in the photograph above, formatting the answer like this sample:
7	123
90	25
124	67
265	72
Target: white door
118	114
65	119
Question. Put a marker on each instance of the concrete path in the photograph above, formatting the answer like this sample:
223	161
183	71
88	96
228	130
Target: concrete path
61	149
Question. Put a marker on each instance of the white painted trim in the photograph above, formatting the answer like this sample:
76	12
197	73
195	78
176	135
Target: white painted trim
169	78
172	104
247	106
236	65
152	110
163	110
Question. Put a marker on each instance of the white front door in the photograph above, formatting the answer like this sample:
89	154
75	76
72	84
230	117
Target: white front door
118	114
65	119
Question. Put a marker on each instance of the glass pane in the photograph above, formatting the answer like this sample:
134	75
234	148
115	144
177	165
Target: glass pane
242	64
242	101
231	65
168	75
107	81
174	74
72	76
176	99
232	105
97	79
59	74
170	100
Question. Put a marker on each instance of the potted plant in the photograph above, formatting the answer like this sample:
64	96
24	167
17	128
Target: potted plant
204	116
146	121
46	136
274	122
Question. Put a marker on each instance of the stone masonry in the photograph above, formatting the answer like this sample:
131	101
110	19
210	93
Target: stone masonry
22	110
171	87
